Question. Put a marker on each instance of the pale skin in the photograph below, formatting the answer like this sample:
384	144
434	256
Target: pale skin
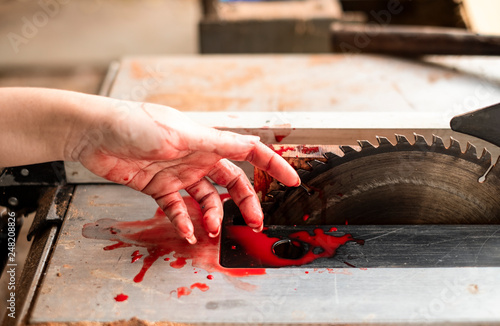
150	148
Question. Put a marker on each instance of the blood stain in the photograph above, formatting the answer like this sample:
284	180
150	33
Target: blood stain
121	297
309	150
284	149
333	229
259	245
157	235
183	291
210	277
136	256
305	217
202	286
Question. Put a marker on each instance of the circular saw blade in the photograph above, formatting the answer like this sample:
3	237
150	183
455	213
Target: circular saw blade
393	184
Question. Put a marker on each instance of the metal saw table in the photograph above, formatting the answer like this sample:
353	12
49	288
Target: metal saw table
302	99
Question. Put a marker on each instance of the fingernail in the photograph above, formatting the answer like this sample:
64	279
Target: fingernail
191	239
258	229
214	235
298	183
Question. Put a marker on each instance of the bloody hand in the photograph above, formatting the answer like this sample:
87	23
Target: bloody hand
159	151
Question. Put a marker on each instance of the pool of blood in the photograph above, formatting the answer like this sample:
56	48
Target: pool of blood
157	235
259	245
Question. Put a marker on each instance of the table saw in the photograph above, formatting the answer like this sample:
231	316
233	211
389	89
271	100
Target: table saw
390	229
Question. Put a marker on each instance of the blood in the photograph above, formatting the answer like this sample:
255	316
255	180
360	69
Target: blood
202	286
284	149
158	236
136	256
259	245
333	229
279	138
210	277
305	217
179	263
340	194
309	150
183	291
121	297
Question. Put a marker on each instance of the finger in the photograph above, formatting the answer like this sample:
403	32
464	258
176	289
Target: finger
238	186
247	148
174	207
224	143
207	196
267	160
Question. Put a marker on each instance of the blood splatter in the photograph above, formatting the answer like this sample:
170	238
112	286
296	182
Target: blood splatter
121	297
332	229
183	291
202	286
260	245
309	150
136	256
179	262
210	277
159	238
305	217
284	149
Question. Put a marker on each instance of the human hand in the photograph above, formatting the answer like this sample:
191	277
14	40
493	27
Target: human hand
158	150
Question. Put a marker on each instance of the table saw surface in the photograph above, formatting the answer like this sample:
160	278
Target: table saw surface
82	280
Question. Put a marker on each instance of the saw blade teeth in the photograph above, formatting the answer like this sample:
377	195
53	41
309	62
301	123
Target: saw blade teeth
454	146
420	140
315	163
485	156
471	151
437	141
402	140
330	155
347	149
302	173
383	141
364	144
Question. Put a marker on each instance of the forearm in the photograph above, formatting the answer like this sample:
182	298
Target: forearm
41	125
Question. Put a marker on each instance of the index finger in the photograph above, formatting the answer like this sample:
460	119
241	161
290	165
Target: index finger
269	161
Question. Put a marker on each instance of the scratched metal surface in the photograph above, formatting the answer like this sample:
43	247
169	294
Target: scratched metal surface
334	82
82	280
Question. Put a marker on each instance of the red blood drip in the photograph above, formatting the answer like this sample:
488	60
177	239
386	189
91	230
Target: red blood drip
125	179
233	247
306	272
284	149
166	259
202	286
279	138
346	222
113	231
309	150
306	217
157	235
259	245
183	291
121	297
333	229
210	277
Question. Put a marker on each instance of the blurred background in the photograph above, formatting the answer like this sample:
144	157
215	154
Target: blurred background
70	43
